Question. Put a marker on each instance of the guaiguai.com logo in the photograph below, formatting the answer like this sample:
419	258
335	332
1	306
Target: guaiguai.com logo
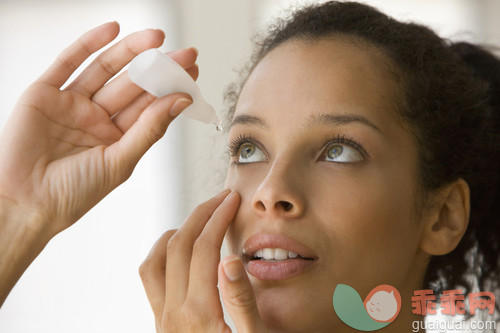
379	309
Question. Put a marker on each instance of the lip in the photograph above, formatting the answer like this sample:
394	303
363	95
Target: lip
277	270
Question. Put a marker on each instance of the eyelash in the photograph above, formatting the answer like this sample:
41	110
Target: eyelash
349	141
236	143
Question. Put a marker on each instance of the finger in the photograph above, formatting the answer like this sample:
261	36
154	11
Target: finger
111	61
120	92
184	57
117	94
180	247
206	251
122	156
152	272
73	56
238	296
129	115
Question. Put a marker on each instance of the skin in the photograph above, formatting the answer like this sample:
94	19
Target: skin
359	217
84	141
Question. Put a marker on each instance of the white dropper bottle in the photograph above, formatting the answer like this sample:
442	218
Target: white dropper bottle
160	75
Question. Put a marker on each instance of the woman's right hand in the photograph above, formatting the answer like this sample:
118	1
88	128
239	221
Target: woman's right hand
64	149
183	275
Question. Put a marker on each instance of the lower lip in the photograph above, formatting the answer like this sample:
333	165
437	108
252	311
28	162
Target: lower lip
278	270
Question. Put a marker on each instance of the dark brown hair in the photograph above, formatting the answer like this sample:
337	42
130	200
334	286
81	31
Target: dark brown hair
451	103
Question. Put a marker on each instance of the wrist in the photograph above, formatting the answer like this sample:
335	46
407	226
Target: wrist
22	237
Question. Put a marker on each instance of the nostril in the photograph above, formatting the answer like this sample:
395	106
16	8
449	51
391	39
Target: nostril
279	206
260	205
287	206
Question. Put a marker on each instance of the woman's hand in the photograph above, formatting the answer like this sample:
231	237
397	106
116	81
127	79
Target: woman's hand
64	149
181	272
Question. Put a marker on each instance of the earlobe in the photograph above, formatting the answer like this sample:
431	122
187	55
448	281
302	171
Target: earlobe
447	223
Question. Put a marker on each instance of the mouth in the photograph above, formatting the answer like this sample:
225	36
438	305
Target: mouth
276	257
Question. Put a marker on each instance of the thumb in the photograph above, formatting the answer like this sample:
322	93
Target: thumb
238	297
151	125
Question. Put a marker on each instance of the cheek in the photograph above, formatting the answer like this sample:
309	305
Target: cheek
244	180
373	212
370	219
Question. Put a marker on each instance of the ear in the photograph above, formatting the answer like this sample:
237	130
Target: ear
445	225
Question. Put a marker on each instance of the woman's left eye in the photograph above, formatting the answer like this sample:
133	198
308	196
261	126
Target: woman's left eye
341	153
250	153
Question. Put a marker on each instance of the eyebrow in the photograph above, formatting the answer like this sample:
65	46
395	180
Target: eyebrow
248	120
327	119
314	121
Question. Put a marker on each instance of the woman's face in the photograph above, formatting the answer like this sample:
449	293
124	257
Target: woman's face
327	173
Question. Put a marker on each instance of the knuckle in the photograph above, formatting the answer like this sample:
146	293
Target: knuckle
174	243
168	317
84	48
145	100
186	315
129	48
192	317
107	66
145	270
191	313
67	62
170	322
146	267
156	132
169	234
240	298
197	319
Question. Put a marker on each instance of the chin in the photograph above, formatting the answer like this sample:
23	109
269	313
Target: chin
287	309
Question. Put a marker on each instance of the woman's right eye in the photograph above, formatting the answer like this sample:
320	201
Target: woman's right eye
250	153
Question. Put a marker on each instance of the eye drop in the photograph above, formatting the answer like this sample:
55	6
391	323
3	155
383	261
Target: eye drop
160	75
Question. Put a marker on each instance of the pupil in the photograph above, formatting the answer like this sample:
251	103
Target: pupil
335	151
247	151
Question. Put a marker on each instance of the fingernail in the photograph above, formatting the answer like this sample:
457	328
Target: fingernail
196	50
223	193
232	194
233	268
179	106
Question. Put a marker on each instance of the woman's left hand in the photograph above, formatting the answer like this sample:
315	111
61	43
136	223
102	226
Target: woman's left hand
181	272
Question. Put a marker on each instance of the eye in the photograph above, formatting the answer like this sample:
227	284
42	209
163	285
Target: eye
250	153
342	153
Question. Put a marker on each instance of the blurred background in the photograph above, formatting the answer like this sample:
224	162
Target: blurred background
86	279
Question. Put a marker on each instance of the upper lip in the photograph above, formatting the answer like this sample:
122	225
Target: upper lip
263	240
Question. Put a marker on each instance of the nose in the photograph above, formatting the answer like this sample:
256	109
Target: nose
280	194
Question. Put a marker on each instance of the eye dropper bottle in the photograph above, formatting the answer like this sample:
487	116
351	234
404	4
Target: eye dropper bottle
160	75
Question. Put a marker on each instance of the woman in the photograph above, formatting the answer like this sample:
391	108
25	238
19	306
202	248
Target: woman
363	151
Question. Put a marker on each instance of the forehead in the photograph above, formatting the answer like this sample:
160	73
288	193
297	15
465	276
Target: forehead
303	78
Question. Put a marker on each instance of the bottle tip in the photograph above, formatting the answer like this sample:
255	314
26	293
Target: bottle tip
219	126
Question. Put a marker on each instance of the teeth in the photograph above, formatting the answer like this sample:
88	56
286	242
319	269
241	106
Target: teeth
268	254
280	254
275	254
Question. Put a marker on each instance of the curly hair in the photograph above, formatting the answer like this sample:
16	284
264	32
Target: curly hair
451	103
